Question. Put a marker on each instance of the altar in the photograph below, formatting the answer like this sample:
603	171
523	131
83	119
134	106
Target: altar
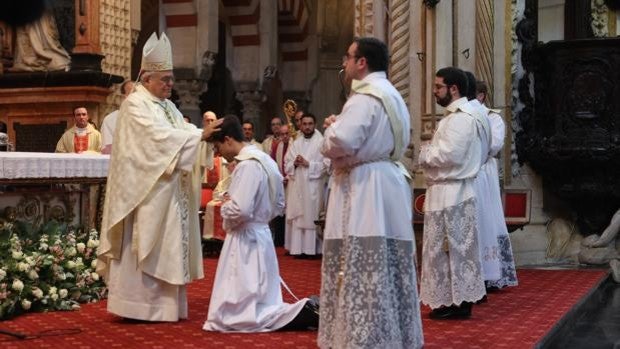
38	187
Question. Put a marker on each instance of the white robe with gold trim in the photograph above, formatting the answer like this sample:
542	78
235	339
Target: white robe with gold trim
150	241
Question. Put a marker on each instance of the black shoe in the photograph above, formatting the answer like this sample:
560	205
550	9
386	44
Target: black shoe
452	312
307	319
482	300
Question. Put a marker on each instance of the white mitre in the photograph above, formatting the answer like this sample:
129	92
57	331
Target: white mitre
157	54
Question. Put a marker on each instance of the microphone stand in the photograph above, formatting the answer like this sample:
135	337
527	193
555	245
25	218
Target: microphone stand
13	334
343	92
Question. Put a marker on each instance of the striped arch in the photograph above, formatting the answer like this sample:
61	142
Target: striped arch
243	16
293	29
180	13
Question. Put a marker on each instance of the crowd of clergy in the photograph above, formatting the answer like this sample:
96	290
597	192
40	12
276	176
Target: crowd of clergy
277	192
296	150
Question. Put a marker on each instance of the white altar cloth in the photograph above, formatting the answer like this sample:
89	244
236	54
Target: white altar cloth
23	165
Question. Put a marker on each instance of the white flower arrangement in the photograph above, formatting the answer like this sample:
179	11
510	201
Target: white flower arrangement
47	270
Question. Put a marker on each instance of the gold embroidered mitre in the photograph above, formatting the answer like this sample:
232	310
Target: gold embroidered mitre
157	54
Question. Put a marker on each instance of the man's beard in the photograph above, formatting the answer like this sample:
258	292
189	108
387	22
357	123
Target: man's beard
444	101
308	135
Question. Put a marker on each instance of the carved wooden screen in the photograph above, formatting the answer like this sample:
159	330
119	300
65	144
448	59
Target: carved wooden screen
38	138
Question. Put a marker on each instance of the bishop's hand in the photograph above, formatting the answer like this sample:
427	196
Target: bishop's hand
210	128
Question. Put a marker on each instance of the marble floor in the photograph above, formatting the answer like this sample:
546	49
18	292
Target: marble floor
592	323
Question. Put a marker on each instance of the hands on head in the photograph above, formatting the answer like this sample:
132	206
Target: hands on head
210	128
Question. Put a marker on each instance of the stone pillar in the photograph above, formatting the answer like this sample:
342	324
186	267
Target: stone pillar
251	98
190	87
371	19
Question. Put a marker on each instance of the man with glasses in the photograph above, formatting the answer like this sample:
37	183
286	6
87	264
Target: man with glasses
248	133
451	270
369	293
150	245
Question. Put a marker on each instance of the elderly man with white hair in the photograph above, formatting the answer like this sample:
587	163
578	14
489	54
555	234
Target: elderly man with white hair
150	239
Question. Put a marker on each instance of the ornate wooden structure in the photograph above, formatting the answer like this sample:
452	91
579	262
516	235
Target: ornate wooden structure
572	138
37	106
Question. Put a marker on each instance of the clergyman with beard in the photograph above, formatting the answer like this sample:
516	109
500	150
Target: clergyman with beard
451	162
306	170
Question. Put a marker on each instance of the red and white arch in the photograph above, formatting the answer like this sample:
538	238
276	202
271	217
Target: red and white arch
180	13
293	29
243	16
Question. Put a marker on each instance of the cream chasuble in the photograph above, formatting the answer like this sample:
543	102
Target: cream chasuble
66	142
152	196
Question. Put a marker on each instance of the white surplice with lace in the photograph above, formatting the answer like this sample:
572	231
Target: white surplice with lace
369	295
451	268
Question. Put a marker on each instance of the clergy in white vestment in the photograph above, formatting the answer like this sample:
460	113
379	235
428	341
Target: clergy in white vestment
488	244
150	244
369	296
246	294
508	273
109	122
451	271
306	170
278	153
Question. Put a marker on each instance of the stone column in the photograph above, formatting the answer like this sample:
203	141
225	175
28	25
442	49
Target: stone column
190	87
251	100
371	18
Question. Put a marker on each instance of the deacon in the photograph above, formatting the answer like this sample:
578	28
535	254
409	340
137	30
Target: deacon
150	245
369	296
246	294
81	137
488	244
306	170
451	272
508	273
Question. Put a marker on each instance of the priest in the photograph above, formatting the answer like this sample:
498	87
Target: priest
306	170
150	245
82	137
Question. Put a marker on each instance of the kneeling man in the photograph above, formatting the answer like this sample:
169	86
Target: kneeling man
246	293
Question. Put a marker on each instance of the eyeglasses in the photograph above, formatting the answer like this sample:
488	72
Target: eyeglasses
440	86
167	79
347	56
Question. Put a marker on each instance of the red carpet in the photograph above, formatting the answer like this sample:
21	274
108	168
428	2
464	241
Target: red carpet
515	318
